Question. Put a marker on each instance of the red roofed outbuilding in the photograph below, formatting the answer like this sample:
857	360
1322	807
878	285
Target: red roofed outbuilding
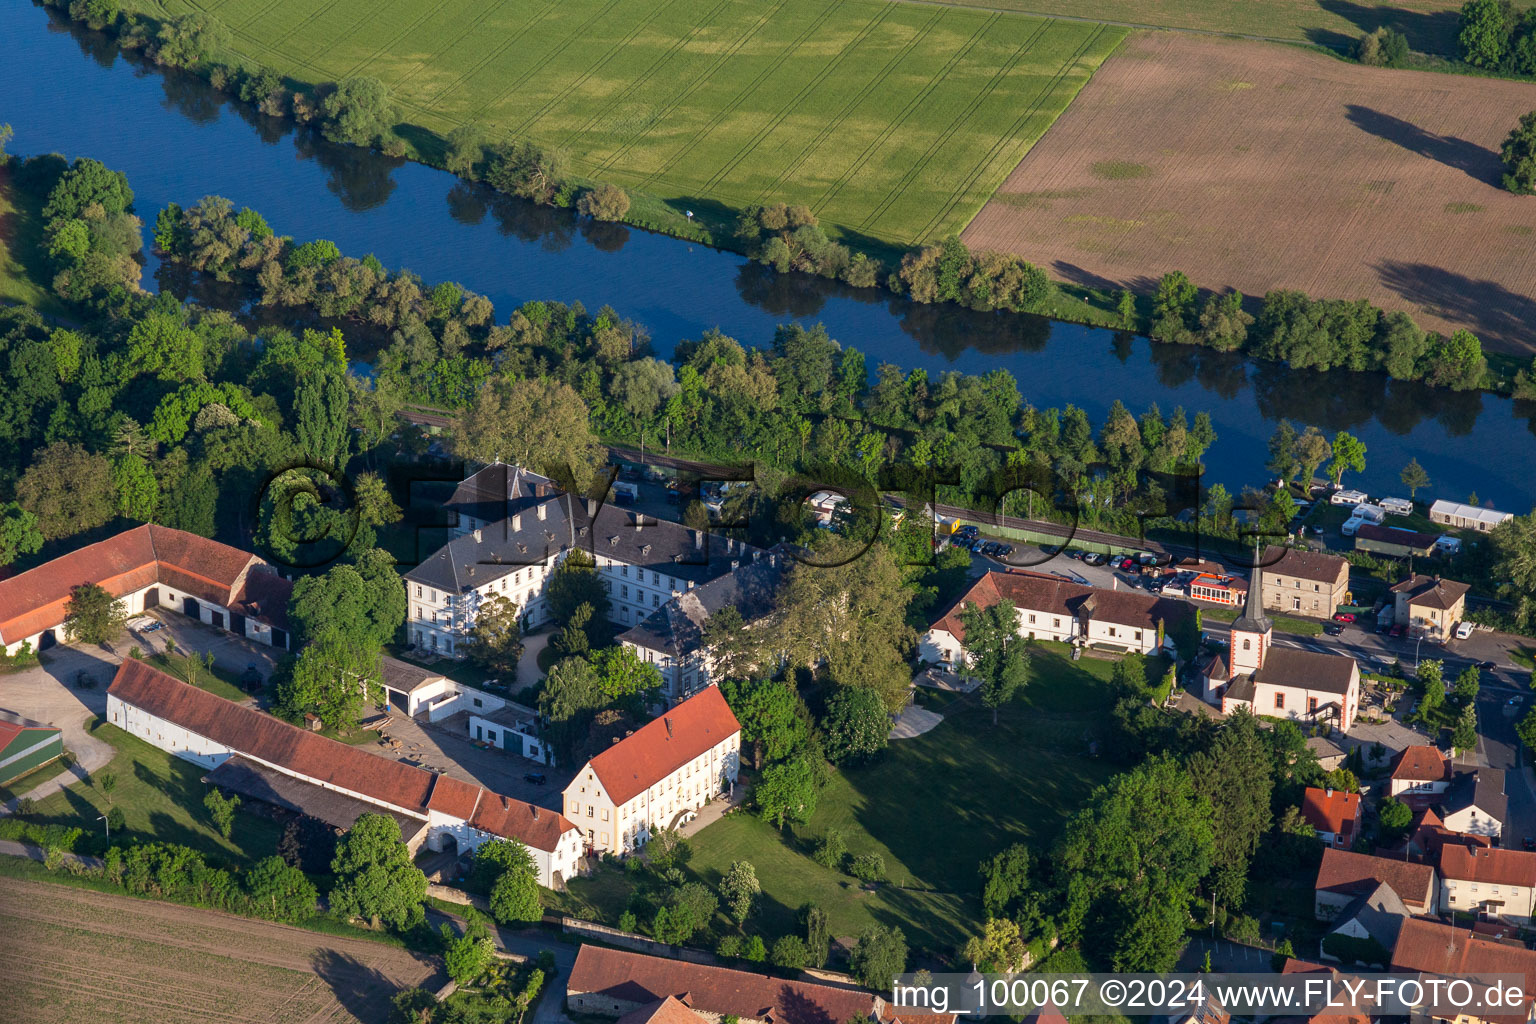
657	776
1334	813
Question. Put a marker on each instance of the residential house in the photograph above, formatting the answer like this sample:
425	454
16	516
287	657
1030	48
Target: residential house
494	494
1335	814
1466	517
1343	876
1051	608
1394	541
616	983
26	746
1495	884
1440	950
1329	754
672	637
1280	682
1420	775
266	759
1427	836
1301	582
1429	606
1325	1016
1375	916
490	719
643	562
658	776
1476	803
150	567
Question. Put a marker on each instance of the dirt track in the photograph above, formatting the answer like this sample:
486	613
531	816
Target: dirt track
73	956
1258	166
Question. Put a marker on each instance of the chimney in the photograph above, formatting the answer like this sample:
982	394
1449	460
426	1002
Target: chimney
478	537
735	563
668	721
1328	792
639	522
541	511
698	538
517	522
591	508
535	809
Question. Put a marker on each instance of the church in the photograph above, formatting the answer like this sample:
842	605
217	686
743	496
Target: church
1280	682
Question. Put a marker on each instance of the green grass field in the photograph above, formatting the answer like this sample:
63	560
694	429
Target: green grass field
892	121
23	256
934	807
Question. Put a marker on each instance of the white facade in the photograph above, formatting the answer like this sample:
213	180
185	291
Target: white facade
623	828
165	599
554	868
438	620
940	646
1474	822
1467	517
1503	901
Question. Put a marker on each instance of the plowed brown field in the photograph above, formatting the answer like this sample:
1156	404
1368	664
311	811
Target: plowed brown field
1255	166
72	956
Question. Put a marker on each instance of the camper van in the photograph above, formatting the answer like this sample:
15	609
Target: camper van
1348	497
1368	513
1396	506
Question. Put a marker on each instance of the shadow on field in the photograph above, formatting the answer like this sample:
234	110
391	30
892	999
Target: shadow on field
1477	161
362	990
1432	32
1492	312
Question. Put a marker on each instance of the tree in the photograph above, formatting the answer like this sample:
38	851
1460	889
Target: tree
1414	477
624	679
1173	307
495	641
1132	860
879	955
1519	154
88	183
93	616
572	639
361	603
1348	454
605	202
1312	450
515	894
857	726
687	911
1527	730
575	583
770	715
790	953
321	403
1484	33
788	791
539	424
68	490
1457	362
756	950
332	678
1282	451
106	781
739	889
1395	815
190	40
818	933
358	111
467	956
1468	683
1005	881
375	878
1236	771
19	534
999	949
1464	736
138	493
221	811
831	849
999	656
279	891
1383	48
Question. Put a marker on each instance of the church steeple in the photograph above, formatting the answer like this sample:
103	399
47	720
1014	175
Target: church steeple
1251	630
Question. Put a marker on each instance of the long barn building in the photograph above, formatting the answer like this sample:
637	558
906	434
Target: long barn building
265	758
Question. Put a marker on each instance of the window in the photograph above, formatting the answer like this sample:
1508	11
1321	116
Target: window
1280	700
1247	643
1111	630
624	570
475	701
1296	604
1031	620
1138	636
605	814
418	590
1311	704
624	591
589	810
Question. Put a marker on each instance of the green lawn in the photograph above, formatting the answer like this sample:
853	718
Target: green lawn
934	807
217	681
23	254
1283	623
893	121
1525	657
162	800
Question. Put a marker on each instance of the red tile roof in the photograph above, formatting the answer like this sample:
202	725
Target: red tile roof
1295	966
1331	810
636	978
140	557
662	746
666	1011
263	738
1053	595
1465	863
1355	874
1422	764
1439	949
1316	566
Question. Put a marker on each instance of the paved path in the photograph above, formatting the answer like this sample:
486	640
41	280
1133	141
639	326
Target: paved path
8	848
914	721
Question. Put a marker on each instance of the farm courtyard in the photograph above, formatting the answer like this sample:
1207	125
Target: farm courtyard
1254	166
73	955
892	121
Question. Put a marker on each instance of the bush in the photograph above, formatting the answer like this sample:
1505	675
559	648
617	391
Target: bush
869	867
1519	154
790	953
58	836
605	202
830	850
1383	48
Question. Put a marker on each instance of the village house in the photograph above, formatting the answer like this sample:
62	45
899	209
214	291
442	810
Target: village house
1440	950
1394	541
617	983
1428	835
1051	608
1325	1016
1343	876
264	758
1376	916
1476	803
672	637
658	776
1495	884
1280	682
642	562
1335	814
1420	775
1429	606
1300	582
1467	517
149	567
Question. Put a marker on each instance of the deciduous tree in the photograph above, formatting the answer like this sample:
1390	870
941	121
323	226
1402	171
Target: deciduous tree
856	725
495	641
93	616
879	955
1414	477
539	424
740	889
375	878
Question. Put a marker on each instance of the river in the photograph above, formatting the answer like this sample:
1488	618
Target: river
70	91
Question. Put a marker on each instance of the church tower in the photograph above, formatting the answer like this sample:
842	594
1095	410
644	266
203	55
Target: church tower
1251	631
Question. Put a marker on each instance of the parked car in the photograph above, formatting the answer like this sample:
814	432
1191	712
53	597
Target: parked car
1074	553
1333	629
1528	843
1004	550
1127	564
1487	666
1093	558
990	548
1344	617
537	778
1397	630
